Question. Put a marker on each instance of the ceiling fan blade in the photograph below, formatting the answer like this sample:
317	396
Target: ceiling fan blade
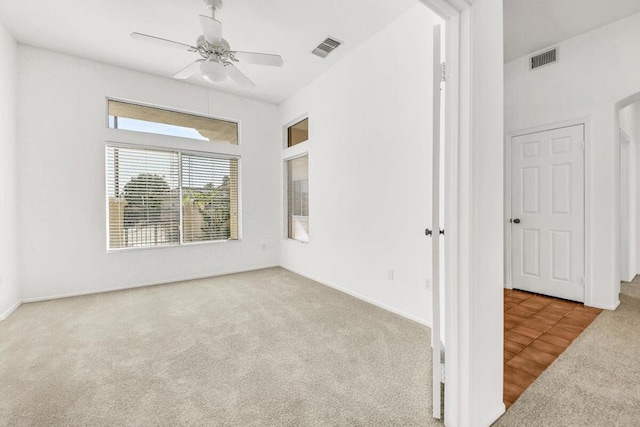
237	75
167	42
259	58
212	30
189	70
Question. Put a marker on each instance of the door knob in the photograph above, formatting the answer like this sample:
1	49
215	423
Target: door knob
516	221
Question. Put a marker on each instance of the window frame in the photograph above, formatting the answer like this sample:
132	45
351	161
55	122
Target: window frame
286	224
285	132
179	152
173	110
150	141
291	153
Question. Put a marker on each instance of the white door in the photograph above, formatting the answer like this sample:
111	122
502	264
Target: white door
547	212
438	349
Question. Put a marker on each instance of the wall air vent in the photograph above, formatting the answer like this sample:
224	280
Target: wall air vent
326	47
544	58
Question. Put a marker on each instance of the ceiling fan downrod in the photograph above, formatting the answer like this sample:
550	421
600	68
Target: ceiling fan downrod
213	6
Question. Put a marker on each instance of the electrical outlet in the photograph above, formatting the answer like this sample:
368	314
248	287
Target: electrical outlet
427	285
390	274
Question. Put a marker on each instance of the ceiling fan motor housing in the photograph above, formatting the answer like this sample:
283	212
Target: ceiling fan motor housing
207	50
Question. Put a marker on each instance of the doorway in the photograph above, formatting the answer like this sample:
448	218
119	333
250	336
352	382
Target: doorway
629	130
547	207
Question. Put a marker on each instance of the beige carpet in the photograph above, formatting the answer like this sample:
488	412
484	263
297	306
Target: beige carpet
596	381
260	348
631	289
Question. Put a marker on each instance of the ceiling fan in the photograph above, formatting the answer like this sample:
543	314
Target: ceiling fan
217	62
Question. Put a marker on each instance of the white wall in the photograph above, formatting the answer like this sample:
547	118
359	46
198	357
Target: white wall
595	71
62	126
9	285
370	169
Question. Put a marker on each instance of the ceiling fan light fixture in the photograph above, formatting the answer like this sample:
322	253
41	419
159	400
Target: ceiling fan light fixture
213	71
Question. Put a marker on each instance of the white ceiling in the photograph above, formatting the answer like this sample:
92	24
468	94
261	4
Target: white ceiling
532	25
99	30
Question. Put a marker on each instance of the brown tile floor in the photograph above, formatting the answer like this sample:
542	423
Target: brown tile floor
537	329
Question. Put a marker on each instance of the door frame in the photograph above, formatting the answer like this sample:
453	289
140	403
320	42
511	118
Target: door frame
624	139
586	122
625	102
473	296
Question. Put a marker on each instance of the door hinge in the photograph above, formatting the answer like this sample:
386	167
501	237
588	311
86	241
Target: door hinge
442	372
443	72
584	282
584	145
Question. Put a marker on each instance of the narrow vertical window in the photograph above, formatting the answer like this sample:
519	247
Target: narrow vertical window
298	198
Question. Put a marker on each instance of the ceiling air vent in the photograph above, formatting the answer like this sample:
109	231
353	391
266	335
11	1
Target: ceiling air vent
544	58
326	47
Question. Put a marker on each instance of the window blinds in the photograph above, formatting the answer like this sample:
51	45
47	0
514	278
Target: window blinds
298	198
158	198
210	198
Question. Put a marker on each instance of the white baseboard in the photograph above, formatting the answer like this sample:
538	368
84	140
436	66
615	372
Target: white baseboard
605	306
360	297
11	309
144	285
316	279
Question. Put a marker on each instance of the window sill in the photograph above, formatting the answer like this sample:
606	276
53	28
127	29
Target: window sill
289	239
183	245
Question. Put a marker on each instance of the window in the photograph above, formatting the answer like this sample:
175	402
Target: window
298	133
298	198
209	198
165	198
140	118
